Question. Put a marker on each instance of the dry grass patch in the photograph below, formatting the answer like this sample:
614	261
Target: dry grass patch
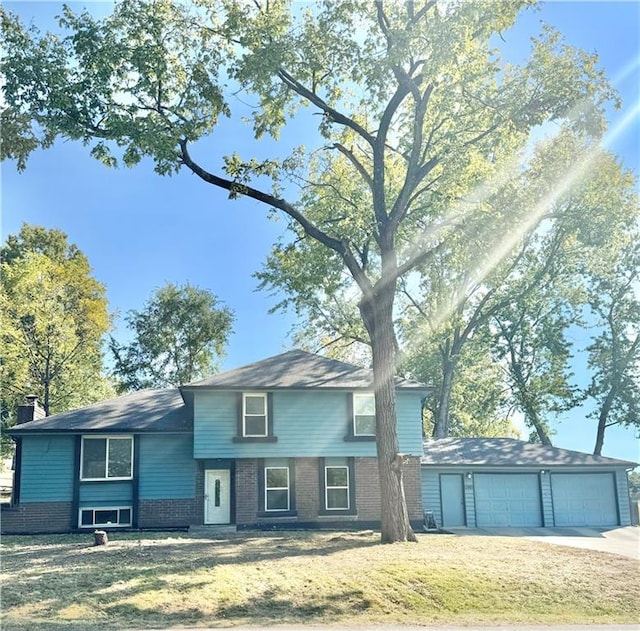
154	580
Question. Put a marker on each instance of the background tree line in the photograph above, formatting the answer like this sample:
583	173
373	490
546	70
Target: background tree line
56	326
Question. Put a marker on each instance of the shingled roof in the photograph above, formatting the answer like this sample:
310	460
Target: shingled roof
297	369
143	411
507	452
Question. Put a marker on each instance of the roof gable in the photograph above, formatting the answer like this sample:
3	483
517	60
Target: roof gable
506	452
297	370
143	411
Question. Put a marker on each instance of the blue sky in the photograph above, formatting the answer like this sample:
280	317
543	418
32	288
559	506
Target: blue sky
140	230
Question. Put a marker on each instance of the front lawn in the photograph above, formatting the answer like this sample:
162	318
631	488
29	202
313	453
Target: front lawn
171	579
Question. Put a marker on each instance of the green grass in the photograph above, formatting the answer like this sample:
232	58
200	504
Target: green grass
169	579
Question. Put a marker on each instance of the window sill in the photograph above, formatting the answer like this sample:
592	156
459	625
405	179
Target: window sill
277	513
103	480
351	438
337	512
255	439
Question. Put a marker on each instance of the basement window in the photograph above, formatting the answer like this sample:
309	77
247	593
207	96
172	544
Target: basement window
106	517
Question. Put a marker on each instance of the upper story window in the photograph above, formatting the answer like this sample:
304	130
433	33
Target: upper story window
255	418
364	414
106	458
255	421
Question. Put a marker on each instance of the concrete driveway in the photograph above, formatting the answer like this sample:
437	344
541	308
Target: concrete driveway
624	541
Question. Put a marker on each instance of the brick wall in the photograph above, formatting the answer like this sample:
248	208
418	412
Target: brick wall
44	517
246	490
368	489
412	489
307	488
168	513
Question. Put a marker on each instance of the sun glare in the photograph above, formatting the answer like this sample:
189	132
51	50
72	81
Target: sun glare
563	183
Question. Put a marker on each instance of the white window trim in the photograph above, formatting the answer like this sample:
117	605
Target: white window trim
327	487
99	508
263	395
277	488
106	472
361	395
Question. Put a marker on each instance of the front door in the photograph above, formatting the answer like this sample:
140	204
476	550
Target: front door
217	496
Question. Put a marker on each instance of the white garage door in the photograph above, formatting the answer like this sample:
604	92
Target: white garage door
507	499
584	499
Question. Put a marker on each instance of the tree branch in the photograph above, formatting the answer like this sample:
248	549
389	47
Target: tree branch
339	246
292	83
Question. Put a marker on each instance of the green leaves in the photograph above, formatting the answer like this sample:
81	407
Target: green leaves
141	78
179	336
54	319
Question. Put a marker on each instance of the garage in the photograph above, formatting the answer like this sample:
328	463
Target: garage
507	499
584	499
509	483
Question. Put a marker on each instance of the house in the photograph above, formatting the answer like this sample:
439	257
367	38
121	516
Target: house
287	441
503	482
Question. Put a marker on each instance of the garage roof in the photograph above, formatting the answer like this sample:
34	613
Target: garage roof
507	452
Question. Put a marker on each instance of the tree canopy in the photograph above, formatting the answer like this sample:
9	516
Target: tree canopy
419	120
54	319
178	337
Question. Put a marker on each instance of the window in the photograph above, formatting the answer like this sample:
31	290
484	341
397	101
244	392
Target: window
276	488
254	415
119	516
337	486
336	495
107	458
364	415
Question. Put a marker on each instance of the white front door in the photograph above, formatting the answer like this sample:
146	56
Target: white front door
217	496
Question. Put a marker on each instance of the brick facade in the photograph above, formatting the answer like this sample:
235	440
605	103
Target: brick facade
367	489
50	517
307	488
308	493
38	517
168	513
246	487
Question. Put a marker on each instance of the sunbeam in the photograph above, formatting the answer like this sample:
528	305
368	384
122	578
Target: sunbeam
564	182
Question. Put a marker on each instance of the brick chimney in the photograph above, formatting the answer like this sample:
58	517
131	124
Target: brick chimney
30	410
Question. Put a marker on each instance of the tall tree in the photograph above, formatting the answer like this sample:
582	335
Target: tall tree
415	111
614	354
178	337
54	319
477	396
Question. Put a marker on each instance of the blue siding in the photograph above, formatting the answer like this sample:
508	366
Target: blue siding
167	468
431	493
47	469
105	493
624	504
470	501
306	424
547	500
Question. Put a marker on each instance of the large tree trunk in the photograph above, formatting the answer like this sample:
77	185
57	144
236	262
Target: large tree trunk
532	417
377	313
441	425
602	422
597	450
